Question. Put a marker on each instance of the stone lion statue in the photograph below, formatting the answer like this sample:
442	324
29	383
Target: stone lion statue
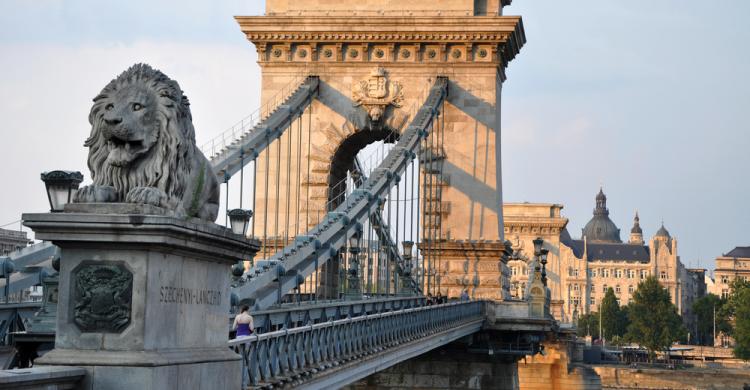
142	148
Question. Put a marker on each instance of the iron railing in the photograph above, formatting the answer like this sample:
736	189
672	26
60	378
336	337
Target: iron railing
291	356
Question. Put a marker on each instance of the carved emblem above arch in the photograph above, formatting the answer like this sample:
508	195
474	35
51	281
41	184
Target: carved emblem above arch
376	93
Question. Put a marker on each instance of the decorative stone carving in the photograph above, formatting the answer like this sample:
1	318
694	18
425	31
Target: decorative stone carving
376	93
142	148
102	297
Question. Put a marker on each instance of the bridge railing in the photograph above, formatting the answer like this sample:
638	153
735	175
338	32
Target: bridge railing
293	355
291	315
215	145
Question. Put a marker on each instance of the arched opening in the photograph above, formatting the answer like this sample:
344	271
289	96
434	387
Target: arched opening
343	160
369	145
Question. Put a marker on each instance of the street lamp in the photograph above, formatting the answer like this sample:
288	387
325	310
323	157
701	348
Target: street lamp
353	290
538	246
60	187
406	271
408	246
239	219
543	257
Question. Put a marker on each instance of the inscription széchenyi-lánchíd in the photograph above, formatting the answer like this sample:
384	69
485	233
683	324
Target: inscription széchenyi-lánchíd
189	296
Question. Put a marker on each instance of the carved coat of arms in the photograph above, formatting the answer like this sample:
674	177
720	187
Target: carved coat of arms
102	297
376	93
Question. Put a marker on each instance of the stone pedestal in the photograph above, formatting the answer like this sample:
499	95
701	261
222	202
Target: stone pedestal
143	298
479	267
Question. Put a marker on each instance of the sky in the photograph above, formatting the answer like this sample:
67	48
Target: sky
648	99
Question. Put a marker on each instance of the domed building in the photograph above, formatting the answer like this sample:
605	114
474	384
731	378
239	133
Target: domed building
581	270
600	228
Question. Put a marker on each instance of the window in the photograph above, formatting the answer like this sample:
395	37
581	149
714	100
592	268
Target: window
592	301
631	289
662	275
724	279
576	301
631	274
576	287
573	272
604	288
606	273
725	293
617	289
644	274
618	304
618	273
514	271
593	273
525	270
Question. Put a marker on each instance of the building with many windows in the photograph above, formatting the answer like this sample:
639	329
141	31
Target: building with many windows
581	270
730	266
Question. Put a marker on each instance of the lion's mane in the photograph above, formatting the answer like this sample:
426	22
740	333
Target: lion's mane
167	166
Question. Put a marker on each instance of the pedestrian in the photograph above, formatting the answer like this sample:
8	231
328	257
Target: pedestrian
243	323
429	299
464	295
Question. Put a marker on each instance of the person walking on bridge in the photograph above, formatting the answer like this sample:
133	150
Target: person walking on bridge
243	323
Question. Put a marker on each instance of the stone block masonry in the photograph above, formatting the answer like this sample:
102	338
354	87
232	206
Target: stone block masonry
143	299
614	377
447	367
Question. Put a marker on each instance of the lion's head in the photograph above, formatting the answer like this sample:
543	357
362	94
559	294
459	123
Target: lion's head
141	133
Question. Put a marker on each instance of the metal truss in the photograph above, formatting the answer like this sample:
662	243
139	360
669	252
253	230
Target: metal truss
266	283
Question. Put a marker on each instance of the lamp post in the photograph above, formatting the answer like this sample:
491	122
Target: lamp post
543	257
406	271
353	291
239	220
60	187
537	251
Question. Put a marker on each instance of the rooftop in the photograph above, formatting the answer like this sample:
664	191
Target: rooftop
739	251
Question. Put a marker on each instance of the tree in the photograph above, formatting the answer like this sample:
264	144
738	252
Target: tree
738	308
588	324
705	308
742	323
654	322
613	323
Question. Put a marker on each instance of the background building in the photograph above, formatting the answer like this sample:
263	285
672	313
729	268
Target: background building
581	270
729	266
12	240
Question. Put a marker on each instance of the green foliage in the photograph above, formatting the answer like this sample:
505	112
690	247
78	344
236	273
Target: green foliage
704	311
588	324
654	322
195	204
614	322
738	307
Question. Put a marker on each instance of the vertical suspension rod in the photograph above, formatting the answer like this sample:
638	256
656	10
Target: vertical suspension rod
440	183
309	138
299	173
278	192
265	207
288	183
255	194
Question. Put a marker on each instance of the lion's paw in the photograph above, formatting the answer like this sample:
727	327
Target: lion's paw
95	194
146	195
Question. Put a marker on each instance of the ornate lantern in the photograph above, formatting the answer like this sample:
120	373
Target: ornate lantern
60	187
239	219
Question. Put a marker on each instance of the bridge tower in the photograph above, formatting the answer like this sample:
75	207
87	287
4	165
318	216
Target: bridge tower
376	59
